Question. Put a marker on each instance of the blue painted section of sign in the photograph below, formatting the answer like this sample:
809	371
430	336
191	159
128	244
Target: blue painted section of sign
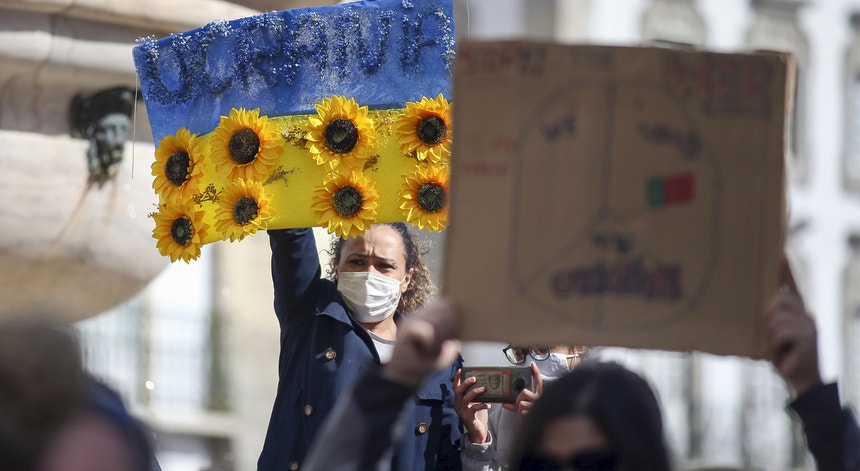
382	53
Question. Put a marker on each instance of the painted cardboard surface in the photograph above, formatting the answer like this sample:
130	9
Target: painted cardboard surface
616	196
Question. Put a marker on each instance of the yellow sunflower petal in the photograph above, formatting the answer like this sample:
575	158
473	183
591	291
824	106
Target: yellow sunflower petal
425	129
243	208
424	197
345	203
341	132
179	232
177	168
246	145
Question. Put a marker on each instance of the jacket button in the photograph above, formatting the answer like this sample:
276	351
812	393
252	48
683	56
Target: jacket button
308	411
330	354
421	428
294	465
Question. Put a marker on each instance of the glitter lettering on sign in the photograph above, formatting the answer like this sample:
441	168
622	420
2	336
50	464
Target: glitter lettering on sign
275	49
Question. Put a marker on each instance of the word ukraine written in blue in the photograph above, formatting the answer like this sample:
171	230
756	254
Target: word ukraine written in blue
382	53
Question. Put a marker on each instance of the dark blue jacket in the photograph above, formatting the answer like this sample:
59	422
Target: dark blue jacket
323	351
361	432
831	431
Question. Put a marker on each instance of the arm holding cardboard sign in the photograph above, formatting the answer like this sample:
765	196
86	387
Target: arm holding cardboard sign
831	432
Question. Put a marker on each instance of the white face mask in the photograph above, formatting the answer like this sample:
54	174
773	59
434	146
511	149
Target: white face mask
553	367
370	296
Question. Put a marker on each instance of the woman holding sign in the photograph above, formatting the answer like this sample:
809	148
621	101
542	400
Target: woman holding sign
333	329
489	429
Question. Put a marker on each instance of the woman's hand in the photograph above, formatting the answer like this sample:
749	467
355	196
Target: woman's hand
473	414
791	335
526	398
426	342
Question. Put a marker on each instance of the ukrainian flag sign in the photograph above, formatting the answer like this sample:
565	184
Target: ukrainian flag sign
332	116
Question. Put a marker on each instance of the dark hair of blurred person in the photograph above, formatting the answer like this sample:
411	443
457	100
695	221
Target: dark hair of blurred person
601	416
54	416
42	385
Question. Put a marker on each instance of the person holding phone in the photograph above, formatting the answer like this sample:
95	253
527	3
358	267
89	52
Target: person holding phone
489	428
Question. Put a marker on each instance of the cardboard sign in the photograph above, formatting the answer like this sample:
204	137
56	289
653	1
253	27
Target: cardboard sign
617	196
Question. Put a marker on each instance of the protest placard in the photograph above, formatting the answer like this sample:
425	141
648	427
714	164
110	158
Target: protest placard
625	196
332	116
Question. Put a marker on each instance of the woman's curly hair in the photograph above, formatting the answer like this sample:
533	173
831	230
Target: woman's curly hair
420	289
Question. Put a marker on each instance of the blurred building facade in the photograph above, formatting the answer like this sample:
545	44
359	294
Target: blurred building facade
729	411
196	353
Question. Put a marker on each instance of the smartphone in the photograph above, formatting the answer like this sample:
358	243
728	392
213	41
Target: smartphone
503	383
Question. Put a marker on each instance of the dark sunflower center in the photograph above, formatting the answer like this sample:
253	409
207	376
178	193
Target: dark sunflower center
346	201
245	210
341	135
244	146
431	197
181	231
176	168
432	129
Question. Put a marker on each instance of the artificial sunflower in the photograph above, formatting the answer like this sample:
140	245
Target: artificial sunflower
425	129
177	168
346	203
340	132
242	209
424	197
245	145
180	232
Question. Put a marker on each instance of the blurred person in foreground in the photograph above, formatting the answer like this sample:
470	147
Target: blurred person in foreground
601	416
56	417
365	424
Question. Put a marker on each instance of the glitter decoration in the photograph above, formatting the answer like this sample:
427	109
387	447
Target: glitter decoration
284	62
315	114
